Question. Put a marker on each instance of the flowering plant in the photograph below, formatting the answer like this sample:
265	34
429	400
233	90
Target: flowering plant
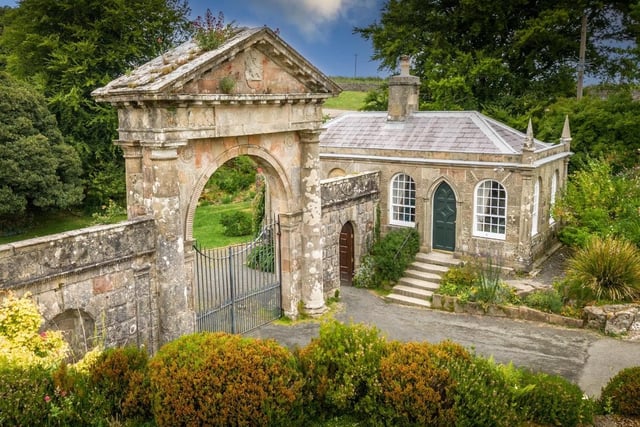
210	32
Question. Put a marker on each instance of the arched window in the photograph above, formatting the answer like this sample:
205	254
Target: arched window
535	207
490	210
403	200
554	190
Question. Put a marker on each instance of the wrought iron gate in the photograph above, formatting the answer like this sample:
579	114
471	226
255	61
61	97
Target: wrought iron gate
238	288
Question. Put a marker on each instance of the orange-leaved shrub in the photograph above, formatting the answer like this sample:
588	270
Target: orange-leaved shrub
121	376
415	390
622	392
222	379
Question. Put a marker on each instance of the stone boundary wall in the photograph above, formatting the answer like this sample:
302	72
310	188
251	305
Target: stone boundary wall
620	319
360	87
102	277
350	198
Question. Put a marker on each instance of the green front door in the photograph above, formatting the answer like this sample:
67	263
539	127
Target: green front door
444	218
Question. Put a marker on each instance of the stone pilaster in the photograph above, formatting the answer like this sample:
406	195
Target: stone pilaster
526	202
134	178
312	240
175	291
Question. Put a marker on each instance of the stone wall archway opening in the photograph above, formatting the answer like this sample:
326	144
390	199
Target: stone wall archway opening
237	271
78	329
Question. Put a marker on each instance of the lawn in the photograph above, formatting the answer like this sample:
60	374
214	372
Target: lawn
51	223
207	229
347	100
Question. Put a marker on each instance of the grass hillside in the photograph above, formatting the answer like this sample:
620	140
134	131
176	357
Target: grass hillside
347	100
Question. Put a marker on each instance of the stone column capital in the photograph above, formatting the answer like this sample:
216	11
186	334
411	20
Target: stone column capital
163	150
310	136
130	149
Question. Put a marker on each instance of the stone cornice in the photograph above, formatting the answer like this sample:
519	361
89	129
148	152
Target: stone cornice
140	100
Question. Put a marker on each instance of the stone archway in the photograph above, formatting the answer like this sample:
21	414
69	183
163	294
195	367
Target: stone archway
176	128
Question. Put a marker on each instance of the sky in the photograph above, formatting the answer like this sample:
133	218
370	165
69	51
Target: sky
320	30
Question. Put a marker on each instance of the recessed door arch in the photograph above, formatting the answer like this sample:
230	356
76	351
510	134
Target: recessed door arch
444	218
346	254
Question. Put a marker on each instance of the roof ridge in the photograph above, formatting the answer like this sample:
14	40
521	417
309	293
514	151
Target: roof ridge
481	121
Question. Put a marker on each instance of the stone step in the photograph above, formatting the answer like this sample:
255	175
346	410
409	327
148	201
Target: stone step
428	267
405	300
437	258
422	275
417	283
412	291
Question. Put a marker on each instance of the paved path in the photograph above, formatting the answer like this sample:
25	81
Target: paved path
582	356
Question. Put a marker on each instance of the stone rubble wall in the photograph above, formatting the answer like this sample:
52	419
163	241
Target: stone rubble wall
620	319
351	198
105	273
449	303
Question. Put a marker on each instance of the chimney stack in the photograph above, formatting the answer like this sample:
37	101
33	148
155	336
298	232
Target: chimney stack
403	93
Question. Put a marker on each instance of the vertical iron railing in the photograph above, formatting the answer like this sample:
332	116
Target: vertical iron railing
238	288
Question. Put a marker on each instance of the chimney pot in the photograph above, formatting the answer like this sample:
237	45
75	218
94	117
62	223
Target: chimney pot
404	65
403	93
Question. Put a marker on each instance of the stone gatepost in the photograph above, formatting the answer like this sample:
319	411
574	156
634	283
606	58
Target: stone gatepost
175	304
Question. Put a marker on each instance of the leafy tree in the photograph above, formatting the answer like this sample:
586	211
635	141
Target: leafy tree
37	169
601	126
474	54
70	47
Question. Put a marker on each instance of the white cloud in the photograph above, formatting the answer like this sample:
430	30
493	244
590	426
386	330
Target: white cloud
313	18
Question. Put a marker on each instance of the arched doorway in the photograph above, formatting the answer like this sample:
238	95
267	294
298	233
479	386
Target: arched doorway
346	255
444	218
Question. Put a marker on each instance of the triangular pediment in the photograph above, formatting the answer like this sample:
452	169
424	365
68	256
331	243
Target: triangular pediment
253	63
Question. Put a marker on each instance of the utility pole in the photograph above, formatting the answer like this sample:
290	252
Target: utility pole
581	60
355	66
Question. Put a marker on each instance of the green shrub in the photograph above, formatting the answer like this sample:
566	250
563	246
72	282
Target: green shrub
262	257
459	281
394	252
365	275
477	281
390	256
236	223
221	379
622	391
599	201
25	393
341	369
236	175
121	376
605	269
548	300
415	391
552	400
482	395
258	205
